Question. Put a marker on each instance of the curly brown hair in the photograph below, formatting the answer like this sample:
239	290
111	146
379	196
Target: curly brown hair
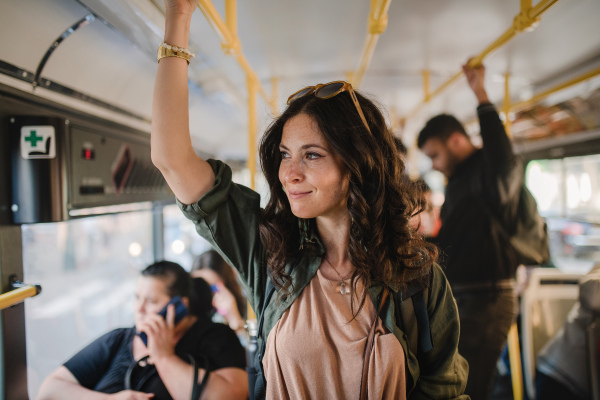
382	246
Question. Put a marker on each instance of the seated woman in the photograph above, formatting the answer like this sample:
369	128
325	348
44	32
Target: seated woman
120	364
228	298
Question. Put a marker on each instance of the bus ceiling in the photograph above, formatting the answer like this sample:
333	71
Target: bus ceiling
99	56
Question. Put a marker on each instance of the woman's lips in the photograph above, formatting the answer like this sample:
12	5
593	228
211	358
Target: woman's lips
298	195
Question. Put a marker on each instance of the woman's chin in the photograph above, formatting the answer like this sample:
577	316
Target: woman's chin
303	214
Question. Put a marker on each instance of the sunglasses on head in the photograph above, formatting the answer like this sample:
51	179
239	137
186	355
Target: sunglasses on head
327	91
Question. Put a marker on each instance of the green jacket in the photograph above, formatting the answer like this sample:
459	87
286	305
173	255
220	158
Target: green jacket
227	216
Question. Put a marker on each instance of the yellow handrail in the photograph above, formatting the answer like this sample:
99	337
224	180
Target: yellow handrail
17	295
227	32
378	20
514	356
506	108
230	43
525	20
546	93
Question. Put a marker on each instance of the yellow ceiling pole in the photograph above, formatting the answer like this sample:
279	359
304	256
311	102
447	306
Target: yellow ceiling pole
230	42
252	84
378	20
426	94
506	108
546	93
525	20
231	16
274	96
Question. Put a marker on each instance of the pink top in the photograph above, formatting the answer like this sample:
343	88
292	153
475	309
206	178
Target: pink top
315	351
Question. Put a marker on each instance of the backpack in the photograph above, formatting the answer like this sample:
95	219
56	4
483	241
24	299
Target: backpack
526	230
411	317
529	235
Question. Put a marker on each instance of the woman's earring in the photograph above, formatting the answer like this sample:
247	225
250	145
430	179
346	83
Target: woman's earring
303	225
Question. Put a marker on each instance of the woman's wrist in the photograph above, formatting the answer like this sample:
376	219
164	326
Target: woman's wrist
177	30
236	322
164	359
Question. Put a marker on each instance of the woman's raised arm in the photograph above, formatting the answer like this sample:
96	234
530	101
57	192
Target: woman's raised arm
187	174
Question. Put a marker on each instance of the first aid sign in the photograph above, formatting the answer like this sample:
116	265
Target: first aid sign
38	142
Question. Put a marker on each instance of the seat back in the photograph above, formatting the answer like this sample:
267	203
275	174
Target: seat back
593	346
545	304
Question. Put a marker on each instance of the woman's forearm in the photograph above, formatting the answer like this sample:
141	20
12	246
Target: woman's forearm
61	385
177	375
171	147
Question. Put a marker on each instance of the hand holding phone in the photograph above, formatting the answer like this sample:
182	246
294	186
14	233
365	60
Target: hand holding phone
180	312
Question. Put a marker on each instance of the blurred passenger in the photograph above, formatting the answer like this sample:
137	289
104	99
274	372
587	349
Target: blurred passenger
334	239
120	364
562	370
479	265
228	298
426	219
427	222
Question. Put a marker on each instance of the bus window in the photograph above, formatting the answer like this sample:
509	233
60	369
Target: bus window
87	268
181	242
567	192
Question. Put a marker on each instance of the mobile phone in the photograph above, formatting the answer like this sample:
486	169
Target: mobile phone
180	312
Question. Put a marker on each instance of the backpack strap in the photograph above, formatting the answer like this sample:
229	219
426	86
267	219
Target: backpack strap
424	329
411	313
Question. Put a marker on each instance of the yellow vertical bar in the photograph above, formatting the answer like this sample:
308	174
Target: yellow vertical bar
274	96
252	85
349	76
252	126
427	94
525	6
231	17
507	123
514	355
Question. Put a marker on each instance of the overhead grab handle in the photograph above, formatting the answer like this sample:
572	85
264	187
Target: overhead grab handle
19	292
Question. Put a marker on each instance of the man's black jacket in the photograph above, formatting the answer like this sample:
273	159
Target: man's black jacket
484	186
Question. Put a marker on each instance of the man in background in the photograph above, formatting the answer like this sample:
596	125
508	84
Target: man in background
482	189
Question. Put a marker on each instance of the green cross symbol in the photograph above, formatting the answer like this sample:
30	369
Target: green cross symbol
33	138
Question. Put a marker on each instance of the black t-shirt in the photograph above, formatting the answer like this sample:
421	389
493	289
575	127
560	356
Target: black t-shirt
102	365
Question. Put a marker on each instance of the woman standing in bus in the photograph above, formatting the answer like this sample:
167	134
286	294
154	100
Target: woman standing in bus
334	237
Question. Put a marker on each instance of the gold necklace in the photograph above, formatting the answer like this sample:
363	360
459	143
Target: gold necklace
343	289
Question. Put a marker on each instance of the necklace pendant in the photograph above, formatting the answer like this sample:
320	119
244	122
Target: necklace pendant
343	289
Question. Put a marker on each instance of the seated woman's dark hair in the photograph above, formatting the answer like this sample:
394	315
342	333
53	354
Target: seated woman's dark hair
176	279
212	260
382	245
179	283
202	300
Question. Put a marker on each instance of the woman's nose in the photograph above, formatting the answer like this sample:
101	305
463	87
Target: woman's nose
294	171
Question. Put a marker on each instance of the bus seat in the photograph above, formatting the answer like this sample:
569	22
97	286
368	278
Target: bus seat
593	345
545	304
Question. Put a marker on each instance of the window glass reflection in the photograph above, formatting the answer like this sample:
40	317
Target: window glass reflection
87	269
567	192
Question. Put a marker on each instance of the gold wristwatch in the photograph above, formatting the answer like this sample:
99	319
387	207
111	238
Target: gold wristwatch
169	52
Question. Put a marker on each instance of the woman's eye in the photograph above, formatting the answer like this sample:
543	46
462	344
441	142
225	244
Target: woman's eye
312	156
284	154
